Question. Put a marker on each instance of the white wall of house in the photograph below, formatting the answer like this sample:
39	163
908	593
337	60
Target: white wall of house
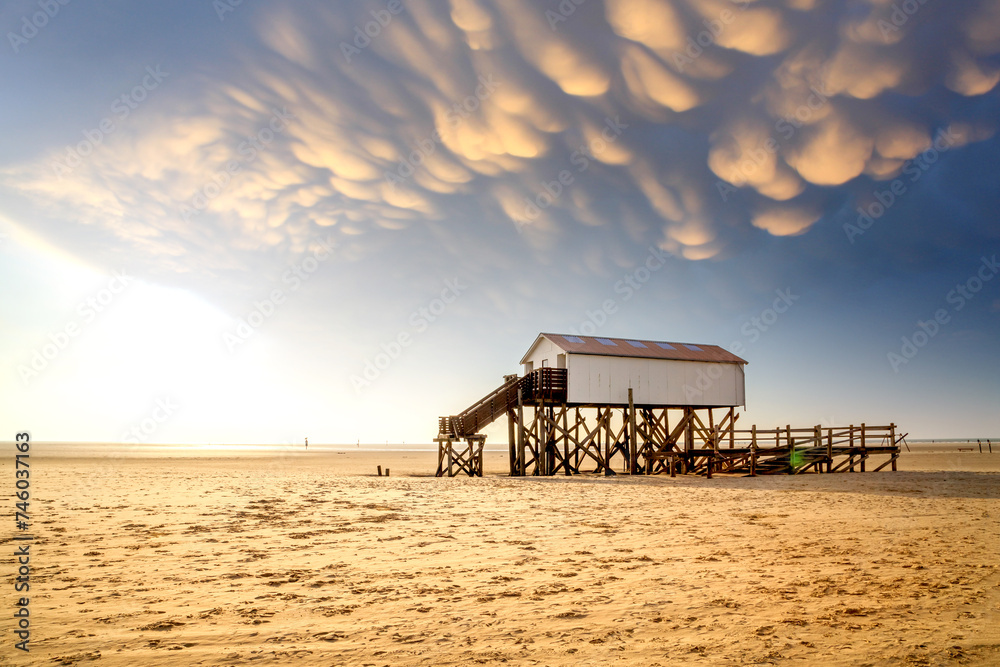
546	354
606	380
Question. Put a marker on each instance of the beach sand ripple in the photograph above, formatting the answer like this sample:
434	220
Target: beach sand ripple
313	560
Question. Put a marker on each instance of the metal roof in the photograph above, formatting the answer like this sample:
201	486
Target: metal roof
634	347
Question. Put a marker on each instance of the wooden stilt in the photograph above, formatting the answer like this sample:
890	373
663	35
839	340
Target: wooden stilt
512	442
829	449
894	444
864	447
632	457
520	433
850	467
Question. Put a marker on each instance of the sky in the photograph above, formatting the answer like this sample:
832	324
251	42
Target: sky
250	222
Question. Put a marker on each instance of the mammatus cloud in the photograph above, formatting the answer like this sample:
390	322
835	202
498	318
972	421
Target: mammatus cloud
641	115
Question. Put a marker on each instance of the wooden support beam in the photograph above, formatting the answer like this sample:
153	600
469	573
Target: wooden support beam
864	447
511	442
565	439
829	449
850	466
520	433
440	468
632	454
892	440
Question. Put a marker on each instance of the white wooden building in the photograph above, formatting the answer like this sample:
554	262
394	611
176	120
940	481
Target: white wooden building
600	371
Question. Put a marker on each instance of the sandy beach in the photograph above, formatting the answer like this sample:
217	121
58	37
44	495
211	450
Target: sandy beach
311	559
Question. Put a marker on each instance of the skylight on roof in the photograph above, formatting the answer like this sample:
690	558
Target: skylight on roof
635	343
693	348
666	346
572	339
606	341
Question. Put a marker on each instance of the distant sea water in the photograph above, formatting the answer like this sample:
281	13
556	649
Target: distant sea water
955	444
117	449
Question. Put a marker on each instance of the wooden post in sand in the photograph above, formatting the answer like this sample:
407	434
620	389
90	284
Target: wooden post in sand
608	472
864	447
688	439
565	439
829	449
542	440
632	459
817	443
753	450
520	433
380	469
895	447
791	448
511	442
850	451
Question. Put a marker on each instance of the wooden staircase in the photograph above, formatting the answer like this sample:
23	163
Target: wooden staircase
544	384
